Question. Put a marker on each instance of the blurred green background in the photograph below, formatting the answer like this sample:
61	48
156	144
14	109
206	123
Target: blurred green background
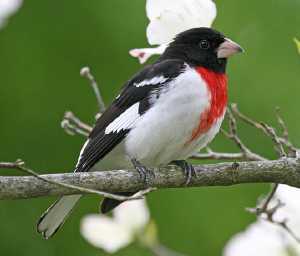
42	50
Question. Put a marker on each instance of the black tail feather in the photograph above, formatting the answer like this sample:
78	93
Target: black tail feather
109	204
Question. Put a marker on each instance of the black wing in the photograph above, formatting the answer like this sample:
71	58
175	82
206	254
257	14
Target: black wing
144	84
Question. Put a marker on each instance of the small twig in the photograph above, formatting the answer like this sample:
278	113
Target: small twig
246	119
284	225
86	72
278	144
259	126
72	129
292	150
20	165
140	194
74	119
73	125
233	135
285	132
264	207
9	165
218	156
161	250
213	155
268	199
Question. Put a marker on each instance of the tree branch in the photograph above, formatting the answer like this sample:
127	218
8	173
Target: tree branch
284	171
86	72
20	165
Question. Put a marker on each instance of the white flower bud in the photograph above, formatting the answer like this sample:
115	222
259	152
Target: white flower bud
112	234
168	18
8	8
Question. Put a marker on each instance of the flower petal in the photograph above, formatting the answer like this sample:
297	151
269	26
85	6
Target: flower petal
144	54
167	20
259	239
154	8
104	232
132	215
264	238
7	8
290	211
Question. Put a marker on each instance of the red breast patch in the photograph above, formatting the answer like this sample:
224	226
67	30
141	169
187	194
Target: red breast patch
217	87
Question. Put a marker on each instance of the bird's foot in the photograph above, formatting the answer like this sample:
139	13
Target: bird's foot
144	173
187	168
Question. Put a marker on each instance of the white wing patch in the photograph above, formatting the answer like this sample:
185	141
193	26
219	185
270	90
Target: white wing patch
125	121
81	151
152	81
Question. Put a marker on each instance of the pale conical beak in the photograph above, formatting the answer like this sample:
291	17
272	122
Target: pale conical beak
228	48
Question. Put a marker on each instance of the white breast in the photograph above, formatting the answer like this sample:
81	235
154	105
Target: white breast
160	135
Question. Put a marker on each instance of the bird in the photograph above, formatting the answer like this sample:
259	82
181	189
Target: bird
164	114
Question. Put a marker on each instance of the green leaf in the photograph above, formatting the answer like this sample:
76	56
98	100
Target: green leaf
149	238
297	44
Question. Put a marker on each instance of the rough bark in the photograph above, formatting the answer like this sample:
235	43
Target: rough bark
284	171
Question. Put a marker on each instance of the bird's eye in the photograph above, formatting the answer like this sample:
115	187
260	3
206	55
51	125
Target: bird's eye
204	44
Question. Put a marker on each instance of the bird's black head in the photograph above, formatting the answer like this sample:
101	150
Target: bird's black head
202	47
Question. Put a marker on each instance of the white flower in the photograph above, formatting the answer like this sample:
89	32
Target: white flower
7	8
111	234
263	238
144	54
289	196
259	239
168	18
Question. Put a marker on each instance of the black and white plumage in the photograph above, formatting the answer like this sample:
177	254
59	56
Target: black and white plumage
137	96
154	118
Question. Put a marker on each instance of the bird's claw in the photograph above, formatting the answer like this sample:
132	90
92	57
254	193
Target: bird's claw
144	173
188	170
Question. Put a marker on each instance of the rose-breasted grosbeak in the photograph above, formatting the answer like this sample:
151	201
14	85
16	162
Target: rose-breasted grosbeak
165	113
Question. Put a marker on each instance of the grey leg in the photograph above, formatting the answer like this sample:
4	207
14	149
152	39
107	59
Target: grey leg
143	171
187	168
